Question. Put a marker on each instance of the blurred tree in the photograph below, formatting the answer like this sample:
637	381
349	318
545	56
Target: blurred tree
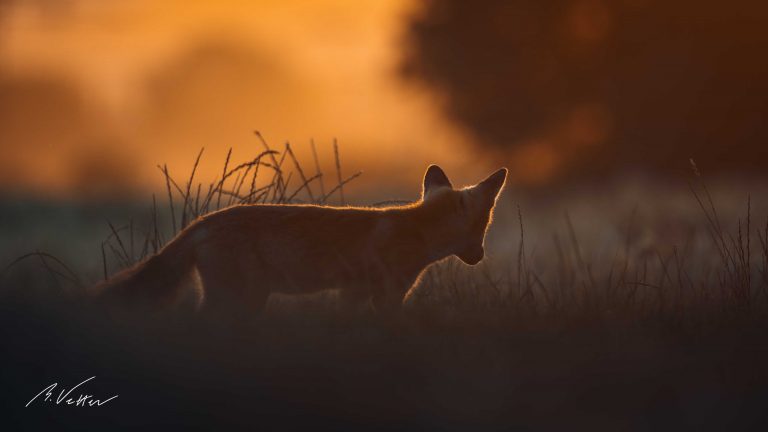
586	87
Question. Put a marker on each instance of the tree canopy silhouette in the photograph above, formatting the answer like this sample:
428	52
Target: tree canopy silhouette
602	85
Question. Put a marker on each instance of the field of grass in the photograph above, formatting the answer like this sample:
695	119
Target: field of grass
635	307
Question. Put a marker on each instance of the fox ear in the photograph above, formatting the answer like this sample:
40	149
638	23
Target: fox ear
494	182
435	178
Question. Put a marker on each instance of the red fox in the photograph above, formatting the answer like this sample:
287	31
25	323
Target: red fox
243	253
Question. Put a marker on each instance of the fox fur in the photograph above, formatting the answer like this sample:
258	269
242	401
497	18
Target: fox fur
241	254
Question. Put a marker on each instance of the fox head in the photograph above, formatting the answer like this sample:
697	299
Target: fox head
461	216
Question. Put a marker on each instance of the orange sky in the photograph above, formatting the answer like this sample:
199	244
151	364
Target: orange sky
151	82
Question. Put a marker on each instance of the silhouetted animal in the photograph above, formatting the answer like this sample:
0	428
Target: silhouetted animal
241	254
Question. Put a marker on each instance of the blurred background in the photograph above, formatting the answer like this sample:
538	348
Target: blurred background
94	94
571	95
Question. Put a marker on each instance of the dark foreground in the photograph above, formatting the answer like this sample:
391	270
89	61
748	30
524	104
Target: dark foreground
419	371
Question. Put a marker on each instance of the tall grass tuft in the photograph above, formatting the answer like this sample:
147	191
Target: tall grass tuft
266	178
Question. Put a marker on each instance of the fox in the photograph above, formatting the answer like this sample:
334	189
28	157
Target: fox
241	254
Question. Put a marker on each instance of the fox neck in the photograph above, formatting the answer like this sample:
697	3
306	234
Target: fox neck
426	233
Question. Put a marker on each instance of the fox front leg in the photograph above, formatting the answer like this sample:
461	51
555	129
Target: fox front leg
390	300
386	304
